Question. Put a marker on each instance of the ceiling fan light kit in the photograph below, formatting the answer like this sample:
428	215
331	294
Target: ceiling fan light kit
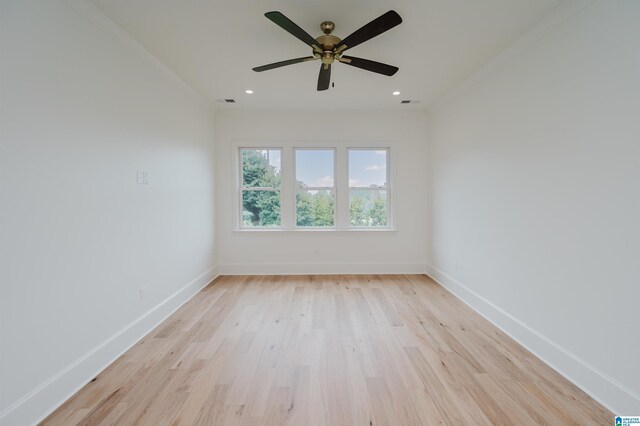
328	48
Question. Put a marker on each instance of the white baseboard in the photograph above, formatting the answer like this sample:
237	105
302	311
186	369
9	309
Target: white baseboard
44	399
615	396
321	269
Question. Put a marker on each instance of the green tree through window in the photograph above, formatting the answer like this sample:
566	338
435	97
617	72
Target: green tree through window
314	208
261	183
314	188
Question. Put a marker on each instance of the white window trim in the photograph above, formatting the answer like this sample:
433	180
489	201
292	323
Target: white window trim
288	187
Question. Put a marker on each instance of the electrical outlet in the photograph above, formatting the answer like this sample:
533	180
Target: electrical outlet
317	251
142	293
455	265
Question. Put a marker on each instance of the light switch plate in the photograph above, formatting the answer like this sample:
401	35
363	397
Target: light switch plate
142	178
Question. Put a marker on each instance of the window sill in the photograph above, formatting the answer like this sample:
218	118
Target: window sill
315	231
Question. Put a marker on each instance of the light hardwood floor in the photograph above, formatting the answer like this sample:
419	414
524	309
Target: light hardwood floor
328	350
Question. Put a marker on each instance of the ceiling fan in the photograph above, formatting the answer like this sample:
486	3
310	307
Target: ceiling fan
329	48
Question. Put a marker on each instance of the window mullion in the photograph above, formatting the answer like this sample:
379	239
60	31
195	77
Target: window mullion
341	189
287	211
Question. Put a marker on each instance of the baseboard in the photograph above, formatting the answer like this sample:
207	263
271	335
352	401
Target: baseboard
44	399
321	269
615	396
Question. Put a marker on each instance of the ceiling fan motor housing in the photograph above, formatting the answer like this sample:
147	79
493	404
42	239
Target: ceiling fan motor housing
327	42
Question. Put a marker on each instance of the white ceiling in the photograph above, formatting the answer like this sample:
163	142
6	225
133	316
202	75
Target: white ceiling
212	45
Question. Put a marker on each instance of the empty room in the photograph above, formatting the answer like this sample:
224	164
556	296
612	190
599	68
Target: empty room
314	212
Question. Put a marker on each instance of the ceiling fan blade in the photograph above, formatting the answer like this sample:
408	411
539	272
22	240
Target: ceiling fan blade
368	65
324	78
374	28
290	26
283	63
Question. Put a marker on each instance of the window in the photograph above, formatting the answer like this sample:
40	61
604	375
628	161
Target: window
315	187
260	187
368	191
327	187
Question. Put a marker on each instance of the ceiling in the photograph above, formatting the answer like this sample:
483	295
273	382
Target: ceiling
213	44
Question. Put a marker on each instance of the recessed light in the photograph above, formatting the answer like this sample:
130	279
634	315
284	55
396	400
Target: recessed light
248	91
396	93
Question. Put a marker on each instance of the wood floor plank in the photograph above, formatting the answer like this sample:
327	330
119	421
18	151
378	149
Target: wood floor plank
328	350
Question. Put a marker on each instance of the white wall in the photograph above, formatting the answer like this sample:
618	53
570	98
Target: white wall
326	252
82	110
535	196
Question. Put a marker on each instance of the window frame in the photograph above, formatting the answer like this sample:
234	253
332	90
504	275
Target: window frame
242	188
387	187
288	186
333	189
